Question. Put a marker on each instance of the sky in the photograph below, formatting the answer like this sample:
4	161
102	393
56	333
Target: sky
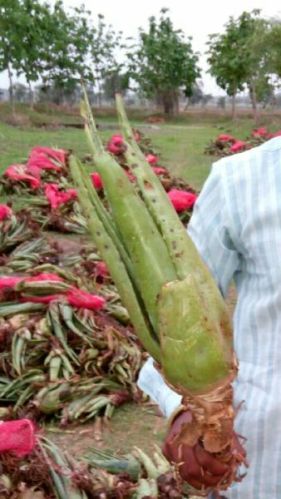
197	18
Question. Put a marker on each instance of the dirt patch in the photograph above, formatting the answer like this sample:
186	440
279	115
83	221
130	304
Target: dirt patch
68	245
132	425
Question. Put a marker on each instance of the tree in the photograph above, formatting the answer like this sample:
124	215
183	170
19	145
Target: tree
67	48
265	92
60	46
257	58
27	27
198	96
239	57
10	43
79	49
273	43
221	102
34	34
104	44
21	92
163	62
57	94
224	60
115	82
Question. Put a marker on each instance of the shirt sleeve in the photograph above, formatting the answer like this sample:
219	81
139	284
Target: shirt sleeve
151	382
210	229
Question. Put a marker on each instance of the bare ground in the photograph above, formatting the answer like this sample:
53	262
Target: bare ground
132	425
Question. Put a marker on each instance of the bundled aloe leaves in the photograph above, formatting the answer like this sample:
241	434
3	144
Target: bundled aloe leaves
173	301
14	228
64	351
30	254
47	472
43	180
64	218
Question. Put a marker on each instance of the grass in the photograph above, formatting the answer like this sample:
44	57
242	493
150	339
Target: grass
182	150
180	146
15	143
180	142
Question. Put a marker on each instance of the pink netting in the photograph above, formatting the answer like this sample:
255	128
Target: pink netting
152	159
44	277
182	200
42	162
56	197
81	299
17	437
18	173
96	180
5	212
159	170
57	154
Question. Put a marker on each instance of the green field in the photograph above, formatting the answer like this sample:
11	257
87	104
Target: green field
181	147
180	143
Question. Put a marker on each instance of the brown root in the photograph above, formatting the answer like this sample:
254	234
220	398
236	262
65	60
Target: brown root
202	442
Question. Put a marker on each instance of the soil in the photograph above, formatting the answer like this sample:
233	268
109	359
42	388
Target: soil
132	425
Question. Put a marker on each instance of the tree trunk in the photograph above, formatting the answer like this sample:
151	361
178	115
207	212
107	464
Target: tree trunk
11	89
253	97
233	106
168	103
187	104
158	100
31	96
176	102
99	96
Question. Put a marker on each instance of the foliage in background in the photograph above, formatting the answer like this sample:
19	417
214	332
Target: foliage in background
53	46
40	41
163	62
239	57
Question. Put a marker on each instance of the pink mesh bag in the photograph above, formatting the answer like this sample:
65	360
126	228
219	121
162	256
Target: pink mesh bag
17	437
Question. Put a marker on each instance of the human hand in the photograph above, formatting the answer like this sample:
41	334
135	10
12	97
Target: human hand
200	468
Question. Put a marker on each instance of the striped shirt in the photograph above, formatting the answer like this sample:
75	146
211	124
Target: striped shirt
236	227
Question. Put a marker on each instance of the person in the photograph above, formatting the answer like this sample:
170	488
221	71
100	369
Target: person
236	227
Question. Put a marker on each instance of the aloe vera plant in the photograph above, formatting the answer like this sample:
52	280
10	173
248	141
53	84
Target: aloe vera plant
188	330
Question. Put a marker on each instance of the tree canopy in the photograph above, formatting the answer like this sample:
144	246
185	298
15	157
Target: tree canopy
239	57
163	62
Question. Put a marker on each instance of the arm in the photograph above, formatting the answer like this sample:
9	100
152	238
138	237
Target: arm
210	230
